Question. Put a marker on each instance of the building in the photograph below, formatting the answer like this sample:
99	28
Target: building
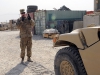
96	5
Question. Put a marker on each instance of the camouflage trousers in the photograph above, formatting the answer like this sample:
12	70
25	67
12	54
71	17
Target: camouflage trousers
26	43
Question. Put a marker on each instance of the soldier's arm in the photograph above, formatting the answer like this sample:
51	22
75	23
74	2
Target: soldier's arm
19	23
32	22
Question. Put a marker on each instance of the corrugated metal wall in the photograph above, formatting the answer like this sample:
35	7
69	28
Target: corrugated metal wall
50	18
64	15
40	22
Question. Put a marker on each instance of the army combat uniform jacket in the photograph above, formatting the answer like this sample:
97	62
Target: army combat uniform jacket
25	27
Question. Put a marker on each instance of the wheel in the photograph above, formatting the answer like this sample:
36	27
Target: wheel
68	62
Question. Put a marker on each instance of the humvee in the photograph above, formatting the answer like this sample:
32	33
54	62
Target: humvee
80	54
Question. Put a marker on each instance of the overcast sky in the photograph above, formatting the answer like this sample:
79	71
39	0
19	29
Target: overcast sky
9	9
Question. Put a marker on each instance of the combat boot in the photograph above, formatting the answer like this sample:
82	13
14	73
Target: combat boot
22	61
29	59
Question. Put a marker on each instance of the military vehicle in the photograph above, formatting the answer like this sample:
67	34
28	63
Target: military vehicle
80	54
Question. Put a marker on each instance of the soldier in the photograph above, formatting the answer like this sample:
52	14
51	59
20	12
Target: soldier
25	25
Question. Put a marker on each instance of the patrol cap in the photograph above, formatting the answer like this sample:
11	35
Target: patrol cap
22	11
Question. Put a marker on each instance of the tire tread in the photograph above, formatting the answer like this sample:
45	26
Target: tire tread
75	53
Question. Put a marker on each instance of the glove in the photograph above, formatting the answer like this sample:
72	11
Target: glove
29	18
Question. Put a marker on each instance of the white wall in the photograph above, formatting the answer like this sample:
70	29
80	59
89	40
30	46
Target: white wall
91	20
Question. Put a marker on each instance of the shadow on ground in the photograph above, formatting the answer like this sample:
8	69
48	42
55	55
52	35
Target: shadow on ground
35	68
19	68
40	37
36	37
18	37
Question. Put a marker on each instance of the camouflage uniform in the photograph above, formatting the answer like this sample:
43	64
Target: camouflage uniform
25	36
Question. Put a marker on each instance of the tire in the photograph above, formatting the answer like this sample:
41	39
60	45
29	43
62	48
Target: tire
68	62
32	7
31	10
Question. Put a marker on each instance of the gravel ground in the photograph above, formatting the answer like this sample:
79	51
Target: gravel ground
43	55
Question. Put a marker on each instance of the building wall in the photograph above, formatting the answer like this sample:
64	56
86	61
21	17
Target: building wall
91	20
48	18
64	15
40	21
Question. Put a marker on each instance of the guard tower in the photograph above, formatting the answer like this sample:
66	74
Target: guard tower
97	5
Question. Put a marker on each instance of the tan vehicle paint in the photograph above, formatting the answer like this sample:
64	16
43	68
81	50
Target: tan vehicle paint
87	40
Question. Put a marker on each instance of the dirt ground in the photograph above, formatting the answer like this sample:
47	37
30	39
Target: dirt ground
43	55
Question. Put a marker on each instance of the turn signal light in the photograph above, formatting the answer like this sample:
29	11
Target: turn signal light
54	39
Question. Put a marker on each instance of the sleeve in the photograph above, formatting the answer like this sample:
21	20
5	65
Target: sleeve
19	23
32	22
